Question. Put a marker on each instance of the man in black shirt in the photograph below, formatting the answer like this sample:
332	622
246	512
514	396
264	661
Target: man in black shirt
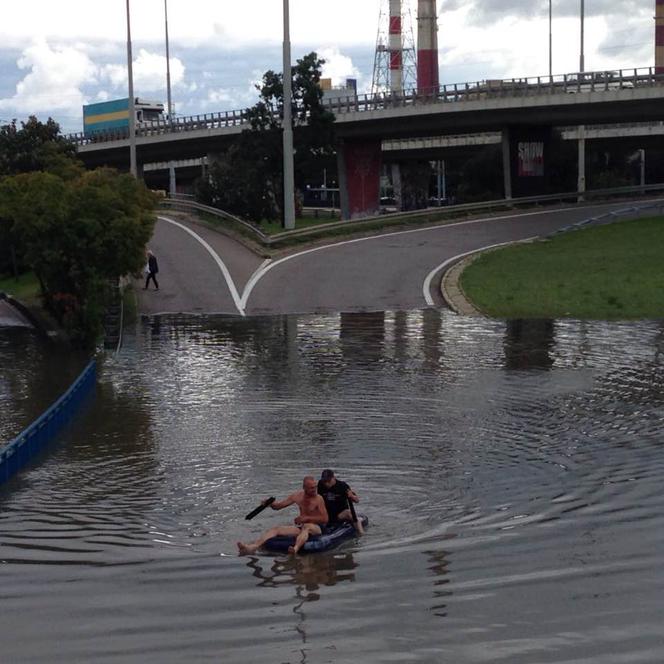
336	495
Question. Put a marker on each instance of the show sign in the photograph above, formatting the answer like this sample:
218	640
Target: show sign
529	150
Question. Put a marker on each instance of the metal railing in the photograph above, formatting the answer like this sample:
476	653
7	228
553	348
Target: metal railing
585	82
422	215
32	440
188	206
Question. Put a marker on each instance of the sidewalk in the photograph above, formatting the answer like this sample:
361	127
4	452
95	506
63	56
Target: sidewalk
10	317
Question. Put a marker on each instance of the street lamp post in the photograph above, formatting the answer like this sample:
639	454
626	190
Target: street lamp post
168	65
550	38
289	179
133	168
583	20
172	185
581	182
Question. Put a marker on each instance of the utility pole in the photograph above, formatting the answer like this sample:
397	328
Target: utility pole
168	65
581	181
289	178
172	183
133	167
583	20
550	38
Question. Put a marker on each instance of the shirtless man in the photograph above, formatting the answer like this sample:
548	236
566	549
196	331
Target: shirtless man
312	516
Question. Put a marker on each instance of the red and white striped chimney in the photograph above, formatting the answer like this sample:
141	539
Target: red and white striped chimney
427	47
659	37
396	47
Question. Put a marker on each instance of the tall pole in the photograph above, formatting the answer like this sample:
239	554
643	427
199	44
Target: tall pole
168	65
581	176
133	168
427	48
289	178
583	20
659	37
550	38
396	47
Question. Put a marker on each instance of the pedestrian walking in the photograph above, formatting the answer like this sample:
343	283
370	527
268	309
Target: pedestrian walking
151	268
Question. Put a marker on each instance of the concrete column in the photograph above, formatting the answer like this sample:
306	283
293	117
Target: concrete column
359	177
344	207
581	186
396	186
507	163
172	189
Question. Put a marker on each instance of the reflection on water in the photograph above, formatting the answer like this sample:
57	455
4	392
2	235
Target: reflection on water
511	472
33	374
528	344
305	576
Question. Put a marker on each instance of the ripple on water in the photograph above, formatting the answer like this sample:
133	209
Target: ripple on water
510	471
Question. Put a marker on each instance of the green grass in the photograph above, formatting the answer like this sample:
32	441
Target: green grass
609	272
25	288
274	227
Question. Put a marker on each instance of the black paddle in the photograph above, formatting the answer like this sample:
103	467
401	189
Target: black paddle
353	514
260	508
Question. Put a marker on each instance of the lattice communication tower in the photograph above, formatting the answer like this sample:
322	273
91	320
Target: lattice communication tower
395	61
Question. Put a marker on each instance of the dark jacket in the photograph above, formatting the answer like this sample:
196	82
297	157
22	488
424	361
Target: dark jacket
152	265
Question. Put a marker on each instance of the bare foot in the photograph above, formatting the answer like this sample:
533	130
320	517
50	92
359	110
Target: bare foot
245	549
291	549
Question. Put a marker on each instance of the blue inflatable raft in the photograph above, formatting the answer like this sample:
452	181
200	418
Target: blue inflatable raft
332	536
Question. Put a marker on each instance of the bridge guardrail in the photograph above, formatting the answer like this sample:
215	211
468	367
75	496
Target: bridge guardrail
187	206
397	217
32	440
576	82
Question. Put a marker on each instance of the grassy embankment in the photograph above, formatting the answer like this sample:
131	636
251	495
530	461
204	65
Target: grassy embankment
274	227
25	288
608	272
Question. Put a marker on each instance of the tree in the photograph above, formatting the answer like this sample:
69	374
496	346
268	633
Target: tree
36	146
247	179
78	236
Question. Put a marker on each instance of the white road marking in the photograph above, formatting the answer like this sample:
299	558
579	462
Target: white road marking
268	265
426	287
222	266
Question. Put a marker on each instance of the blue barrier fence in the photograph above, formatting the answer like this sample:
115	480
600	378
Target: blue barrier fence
32	440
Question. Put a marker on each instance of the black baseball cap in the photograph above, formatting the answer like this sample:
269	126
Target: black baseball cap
327	474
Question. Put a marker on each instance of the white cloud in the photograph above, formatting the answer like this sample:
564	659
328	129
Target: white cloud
149	71
54	80
337	66
226	24
218	97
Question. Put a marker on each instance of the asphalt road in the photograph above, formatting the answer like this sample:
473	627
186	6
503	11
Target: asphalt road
10	317
394	271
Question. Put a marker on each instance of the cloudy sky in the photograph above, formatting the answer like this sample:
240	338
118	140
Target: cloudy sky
56	56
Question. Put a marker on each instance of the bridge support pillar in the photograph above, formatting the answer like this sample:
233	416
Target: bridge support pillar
581	182
359	164
396	186
172	183
525	155
507	164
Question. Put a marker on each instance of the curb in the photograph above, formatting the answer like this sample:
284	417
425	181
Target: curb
451	291
450	282
40	326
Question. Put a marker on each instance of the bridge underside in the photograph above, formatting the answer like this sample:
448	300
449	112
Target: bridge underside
525	124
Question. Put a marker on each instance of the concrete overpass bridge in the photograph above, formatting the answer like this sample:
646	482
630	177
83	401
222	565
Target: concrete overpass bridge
522	111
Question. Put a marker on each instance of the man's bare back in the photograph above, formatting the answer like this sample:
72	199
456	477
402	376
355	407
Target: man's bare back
313	515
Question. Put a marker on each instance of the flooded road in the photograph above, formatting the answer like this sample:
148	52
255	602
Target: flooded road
511	472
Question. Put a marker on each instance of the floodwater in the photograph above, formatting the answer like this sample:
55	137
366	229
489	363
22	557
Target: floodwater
511	471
